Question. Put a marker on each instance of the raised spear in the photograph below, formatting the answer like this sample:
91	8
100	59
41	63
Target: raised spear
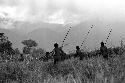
108	36
66	36
86	35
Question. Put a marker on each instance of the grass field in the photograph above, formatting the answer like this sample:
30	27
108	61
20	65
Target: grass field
73	70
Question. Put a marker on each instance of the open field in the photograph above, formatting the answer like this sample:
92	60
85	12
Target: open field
73	70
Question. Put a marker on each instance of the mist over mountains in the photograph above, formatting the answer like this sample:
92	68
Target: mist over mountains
46	34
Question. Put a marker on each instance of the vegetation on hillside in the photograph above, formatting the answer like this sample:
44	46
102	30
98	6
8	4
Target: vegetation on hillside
27	67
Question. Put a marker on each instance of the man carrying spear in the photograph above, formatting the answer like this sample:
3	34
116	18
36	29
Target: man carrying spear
57	53
104	51
78	53
103	48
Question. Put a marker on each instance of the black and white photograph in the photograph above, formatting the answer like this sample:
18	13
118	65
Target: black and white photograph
62	41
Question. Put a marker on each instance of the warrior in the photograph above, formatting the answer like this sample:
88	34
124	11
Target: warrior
78	53
57	53
104	51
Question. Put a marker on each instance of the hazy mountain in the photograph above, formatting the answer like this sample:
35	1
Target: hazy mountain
45	37
26	27
47	34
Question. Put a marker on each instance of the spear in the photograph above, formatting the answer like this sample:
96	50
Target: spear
86	36
108	36
66	36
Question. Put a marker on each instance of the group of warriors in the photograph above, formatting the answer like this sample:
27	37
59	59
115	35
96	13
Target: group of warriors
58	54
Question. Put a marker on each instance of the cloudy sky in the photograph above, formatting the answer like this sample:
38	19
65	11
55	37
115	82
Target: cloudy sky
110	12
63	11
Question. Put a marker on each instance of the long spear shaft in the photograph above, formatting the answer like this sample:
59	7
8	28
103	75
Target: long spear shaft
66	36
86	36
108	36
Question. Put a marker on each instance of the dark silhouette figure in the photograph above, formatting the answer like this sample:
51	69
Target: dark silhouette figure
104	50
78	53
57	53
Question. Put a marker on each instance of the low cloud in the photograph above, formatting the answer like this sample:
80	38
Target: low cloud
63	11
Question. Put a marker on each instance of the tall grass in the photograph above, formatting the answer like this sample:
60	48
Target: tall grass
73	70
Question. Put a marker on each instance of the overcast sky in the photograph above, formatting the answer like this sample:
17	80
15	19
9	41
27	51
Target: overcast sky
63	11
68	11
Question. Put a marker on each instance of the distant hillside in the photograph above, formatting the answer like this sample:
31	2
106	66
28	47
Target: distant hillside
45	37
47	34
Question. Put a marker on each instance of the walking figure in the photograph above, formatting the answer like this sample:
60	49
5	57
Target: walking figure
78	53
57	53
104	50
